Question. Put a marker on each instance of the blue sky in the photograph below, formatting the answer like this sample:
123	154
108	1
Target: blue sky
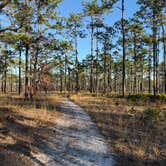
68	6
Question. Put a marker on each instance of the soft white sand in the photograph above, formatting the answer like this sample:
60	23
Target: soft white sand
76	142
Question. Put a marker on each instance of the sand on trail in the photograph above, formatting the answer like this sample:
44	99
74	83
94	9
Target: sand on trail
76	142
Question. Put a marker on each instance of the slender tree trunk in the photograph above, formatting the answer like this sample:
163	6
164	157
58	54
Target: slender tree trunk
20	82
91	58
69	82
26	70
115	81
109	74
76	65
135	65
97	56
105	68
37	44
61	79
131	81
11	82
154	50
35	72
164	56
5	82
26	56
2	80
66	66
30	72
5	75
157	63
124	53
142	73
149	69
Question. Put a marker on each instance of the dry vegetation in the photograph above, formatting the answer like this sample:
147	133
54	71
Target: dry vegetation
135	127
22	125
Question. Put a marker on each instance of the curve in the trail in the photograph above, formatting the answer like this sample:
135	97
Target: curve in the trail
76	142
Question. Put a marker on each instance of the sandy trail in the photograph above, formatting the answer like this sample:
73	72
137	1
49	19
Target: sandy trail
76	142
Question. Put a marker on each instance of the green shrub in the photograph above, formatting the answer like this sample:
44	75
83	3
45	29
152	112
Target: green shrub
147	97
161	97
135	97
153	114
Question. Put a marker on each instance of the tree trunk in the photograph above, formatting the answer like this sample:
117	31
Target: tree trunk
142	73
19	82
2	81
69	82
149	71
5	75
109	75
26	70
154	50
157	63
115	81
61	79
76	66
164	56
26	55
91	56
124	52
105	68
135	65
66	72
11	82
97	56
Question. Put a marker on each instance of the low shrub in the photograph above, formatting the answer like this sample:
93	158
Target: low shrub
153	114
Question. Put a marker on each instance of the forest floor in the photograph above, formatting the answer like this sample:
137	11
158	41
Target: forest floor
23	124
50	131
54	131
135	127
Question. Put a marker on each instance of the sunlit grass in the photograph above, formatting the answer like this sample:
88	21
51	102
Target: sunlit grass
23	121
133	128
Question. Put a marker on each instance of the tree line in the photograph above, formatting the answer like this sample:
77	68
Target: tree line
39	48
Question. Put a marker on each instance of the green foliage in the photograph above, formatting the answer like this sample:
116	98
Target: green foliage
153	114
135	97
139	97
161	96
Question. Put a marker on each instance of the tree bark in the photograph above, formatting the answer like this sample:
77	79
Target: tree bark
26	56
19	84
97	57
164	56
124	53
149	71
105	68
154	50
26	70
76	65
5	75
135	65
11	82
91	56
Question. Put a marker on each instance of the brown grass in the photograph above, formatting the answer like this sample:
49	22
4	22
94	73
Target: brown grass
124	124
22	123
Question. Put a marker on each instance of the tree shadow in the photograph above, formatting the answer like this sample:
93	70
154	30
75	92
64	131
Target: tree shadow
53	141
128	132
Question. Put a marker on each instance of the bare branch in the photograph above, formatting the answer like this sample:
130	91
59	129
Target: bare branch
10	29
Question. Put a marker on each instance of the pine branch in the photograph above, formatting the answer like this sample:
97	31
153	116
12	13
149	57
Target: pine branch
10	29
4	3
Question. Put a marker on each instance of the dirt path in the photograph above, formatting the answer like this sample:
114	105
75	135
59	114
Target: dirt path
76	141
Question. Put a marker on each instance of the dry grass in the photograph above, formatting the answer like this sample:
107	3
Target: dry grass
124	124
22	123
